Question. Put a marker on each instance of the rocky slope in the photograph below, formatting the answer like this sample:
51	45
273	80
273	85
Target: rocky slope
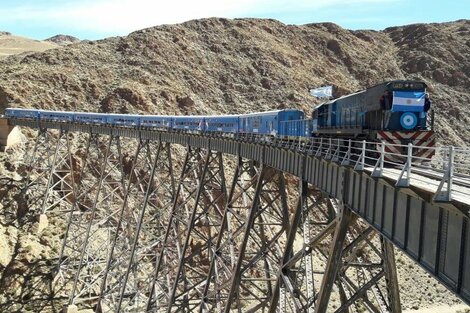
225	66
220	65
63	40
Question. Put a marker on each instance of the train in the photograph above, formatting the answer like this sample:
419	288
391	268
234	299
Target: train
395	113
264	123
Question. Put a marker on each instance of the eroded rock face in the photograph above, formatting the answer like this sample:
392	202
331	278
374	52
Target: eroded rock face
8	239
123	100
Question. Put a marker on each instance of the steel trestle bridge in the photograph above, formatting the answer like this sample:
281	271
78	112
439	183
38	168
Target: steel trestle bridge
302	226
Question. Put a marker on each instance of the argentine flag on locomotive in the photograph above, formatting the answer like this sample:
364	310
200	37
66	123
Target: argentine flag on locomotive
408	101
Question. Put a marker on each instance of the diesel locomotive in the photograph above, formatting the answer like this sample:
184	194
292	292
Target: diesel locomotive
395	113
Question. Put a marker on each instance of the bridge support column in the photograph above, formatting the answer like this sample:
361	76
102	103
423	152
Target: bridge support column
48	186
259	242
60	191
338	249
170	250
77	218
154	215
334	259
311	224
89	233
201	234
391	276
285	276
115	258
360	263
223	257
39	162
149	192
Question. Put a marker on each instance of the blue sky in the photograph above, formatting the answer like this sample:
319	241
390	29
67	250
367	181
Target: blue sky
95	19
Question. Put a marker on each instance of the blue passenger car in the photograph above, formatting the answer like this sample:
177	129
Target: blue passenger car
123	120
268	123
222	123
299	128
189	123
156	121
22	113
90	118
56	116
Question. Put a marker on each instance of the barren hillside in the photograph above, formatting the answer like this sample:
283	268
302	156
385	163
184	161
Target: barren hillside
219	66
62	40
11	45
224	66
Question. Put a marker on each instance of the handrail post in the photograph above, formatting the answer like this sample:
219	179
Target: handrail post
309	144
447	178
407	166
450	172
363	155
410	159
300	144
405	182
379	166
360	163
319	148
382	156
432	120
328	152
335	157
347	156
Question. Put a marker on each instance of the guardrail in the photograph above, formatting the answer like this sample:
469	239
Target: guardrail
450	165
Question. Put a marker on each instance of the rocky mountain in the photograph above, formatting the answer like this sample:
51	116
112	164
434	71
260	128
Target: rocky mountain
63	40
228	66
11	45
224	66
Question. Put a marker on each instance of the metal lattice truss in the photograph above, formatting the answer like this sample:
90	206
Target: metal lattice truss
39	163
139	239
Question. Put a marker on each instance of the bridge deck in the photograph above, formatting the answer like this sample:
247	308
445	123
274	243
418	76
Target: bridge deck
428	184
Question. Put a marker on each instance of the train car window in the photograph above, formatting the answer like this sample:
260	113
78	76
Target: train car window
256	122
